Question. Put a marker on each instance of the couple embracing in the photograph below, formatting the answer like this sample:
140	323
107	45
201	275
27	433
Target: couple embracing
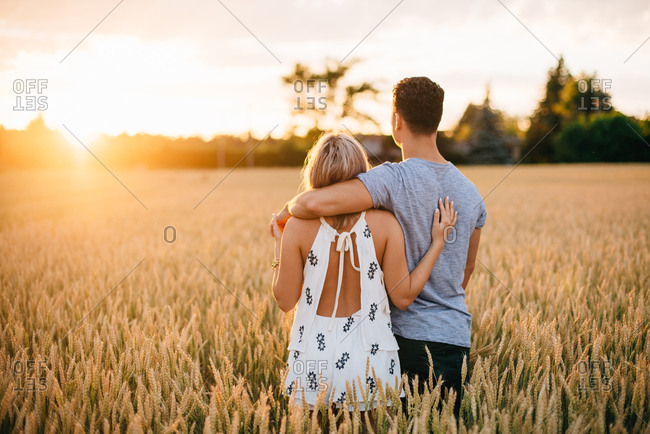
377	261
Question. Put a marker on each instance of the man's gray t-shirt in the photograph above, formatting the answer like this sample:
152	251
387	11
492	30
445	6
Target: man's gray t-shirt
410	190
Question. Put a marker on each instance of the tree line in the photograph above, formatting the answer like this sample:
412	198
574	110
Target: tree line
575	121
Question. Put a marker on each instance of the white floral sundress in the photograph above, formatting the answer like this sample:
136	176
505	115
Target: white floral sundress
328	353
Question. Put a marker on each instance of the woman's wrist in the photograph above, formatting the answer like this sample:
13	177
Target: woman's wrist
436	245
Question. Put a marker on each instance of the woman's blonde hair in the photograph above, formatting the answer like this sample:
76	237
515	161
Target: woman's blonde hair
336	157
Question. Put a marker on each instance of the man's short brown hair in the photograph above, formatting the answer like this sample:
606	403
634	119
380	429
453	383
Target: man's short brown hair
419	101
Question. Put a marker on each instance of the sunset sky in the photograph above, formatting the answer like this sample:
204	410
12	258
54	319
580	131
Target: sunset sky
193	68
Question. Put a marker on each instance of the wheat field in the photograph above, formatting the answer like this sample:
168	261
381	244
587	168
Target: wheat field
150	310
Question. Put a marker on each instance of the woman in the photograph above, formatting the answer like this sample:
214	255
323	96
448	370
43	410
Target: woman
341	339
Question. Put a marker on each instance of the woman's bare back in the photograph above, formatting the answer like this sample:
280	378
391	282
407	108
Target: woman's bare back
350	296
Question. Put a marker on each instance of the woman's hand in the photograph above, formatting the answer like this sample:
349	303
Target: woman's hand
444	219
276	231
280	221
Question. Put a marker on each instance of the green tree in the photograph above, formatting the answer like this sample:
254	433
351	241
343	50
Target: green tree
481	135
319	100
584	96
547	119
602	138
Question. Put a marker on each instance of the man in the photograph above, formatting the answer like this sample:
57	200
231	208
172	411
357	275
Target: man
438	319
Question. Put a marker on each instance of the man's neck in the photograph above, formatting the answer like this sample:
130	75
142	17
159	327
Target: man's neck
424	147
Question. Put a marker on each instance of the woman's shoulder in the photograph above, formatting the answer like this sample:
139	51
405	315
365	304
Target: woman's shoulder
302	226
299	233
381	221
379	215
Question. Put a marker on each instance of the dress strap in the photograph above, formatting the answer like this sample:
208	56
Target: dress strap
343	244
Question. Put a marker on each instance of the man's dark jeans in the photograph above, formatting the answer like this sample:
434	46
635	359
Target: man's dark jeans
447	362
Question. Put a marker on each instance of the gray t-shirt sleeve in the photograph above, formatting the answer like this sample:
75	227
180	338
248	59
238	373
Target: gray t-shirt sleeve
482	215
379	182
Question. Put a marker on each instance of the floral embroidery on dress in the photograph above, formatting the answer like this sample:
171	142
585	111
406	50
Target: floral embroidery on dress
373	310
341	398
371	270
346	326
340	363
301	330
320	338
308	296
313	260
296	354
366	232
370	381
391	370
374	348
312	382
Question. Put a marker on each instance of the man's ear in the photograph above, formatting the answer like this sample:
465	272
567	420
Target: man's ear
398	122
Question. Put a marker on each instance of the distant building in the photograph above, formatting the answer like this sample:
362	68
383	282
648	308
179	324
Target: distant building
380	148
